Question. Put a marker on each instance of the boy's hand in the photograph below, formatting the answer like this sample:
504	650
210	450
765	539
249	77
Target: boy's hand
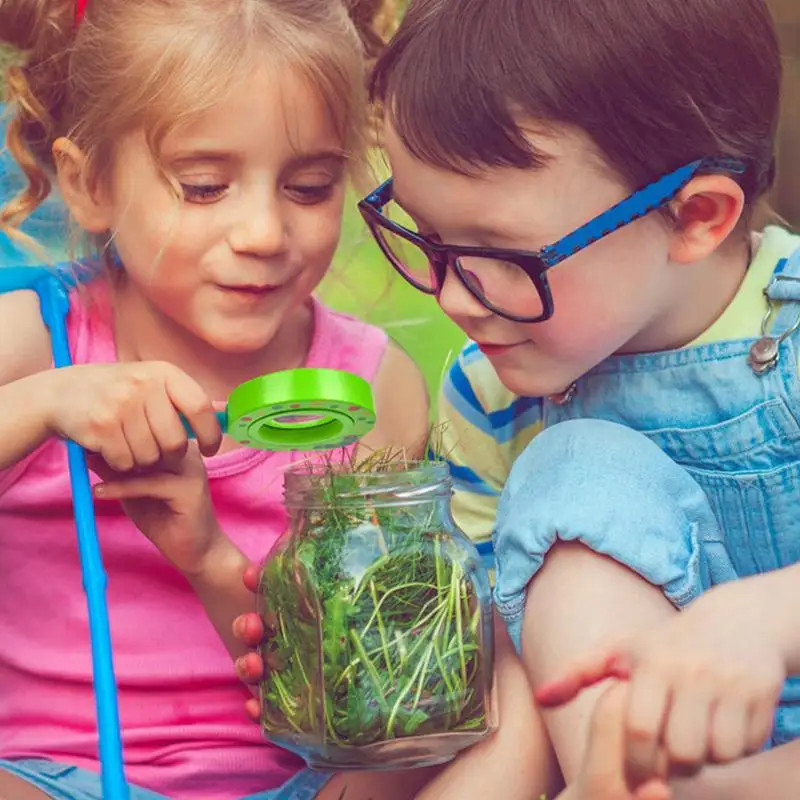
703	687
602	772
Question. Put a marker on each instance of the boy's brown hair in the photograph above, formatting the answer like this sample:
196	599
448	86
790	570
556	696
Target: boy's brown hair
654	83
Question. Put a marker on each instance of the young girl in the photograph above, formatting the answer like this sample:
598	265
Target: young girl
203	147
633	353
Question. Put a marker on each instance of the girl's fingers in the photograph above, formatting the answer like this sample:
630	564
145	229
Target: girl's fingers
116	452
154	487
648	706
581	676
253	709
252	576
250	668
141	441
190	400
249	629
166	427
729	722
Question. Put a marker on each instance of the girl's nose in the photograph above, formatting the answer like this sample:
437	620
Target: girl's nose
260	229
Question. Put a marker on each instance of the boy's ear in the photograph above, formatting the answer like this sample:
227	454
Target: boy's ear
707	209
86	203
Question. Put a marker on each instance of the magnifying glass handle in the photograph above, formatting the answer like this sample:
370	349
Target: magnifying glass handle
222	418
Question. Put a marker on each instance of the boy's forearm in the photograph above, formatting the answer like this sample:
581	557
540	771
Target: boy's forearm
774	774
23	417
776	596
785	604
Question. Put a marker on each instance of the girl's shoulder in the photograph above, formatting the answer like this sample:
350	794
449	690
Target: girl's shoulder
24	340
401	397
24	337
344	342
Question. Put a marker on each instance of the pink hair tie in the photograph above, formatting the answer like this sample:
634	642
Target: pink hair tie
80	10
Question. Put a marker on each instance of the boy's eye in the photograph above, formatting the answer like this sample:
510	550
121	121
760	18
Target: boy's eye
309	195
205	193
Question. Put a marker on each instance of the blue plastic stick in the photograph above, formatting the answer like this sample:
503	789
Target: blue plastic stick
52	288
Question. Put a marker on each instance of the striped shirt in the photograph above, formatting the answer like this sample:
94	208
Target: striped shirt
484	426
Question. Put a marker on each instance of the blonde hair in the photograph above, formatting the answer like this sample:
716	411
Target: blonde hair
155	64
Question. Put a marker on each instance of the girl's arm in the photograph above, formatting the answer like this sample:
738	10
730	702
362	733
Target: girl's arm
24	411
402	411
26	383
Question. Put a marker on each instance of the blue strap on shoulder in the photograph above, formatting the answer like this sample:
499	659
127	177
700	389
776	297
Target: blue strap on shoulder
52	287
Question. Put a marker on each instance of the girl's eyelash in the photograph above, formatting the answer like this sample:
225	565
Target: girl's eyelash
195	193
312	193
204	193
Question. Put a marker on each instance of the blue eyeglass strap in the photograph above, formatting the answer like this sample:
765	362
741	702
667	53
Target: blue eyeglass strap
52	287
636	206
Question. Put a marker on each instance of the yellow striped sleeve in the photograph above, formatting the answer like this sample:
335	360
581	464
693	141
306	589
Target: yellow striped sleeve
482	428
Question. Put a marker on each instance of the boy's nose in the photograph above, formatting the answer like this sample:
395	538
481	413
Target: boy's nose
458	302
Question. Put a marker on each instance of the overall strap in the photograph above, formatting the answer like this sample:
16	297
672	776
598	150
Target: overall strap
782	319
784	289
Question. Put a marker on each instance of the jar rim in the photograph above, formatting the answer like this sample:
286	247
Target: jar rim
317	469
417	481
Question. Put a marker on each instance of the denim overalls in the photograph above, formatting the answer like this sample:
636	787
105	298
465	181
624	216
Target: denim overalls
732	507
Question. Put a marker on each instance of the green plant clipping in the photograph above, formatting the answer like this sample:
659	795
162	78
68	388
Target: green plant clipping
378	630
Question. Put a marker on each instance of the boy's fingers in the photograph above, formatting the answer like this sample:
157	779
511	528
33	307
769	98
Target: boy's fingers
648	705
581	676
607	728
655	789
729	724
687	731
762	718
603	761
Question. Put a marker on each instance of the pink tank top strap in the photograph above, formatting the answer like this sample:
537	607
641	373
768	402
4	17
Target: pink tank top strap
90	324
346	343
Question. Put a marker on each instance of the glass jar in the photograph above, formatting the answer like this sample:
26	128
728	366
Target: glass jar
378	620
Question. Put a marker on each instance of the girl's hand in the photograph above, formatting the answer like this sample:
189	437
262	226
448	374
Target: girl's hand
602	772
170	505
129	414
703	687
249	630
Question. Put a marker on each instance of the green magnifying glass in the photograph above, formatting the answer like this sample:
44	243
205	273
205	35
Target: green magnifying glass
299	409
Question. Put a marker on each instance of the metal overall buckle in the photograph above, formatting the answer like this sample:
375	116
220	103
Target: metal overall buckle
765	351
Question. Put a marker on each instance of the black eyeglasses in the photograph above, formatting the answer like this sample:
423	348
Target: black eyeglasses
513	283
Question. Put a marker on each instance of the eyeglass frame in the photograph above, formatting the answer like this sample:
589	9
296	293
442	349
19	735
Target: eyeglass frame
535	264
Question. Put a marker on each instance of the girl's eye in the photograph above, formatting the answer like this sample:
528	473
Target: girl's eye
203	193
310	195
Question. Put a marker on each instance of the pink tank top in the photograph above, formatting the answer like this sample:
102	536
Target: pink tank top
185	731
